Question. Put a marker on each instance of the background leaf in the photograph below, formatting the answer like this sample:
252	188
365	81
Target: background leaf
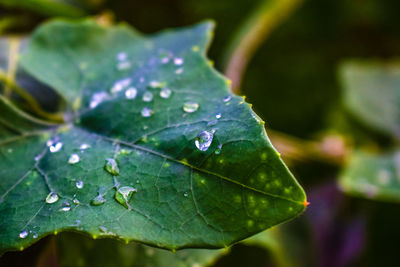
372	93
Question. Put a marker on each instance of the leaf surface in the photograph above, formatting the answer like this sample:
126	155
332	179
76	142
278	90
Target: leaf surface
375	176
197	163
372	93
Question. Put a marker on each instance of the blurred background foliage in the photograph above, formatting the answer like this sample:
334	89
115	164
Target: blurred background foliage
319	104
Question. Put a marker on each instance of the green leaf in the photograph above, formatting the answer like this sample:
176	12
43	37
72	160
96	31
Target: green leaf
372	93
66	8
78	251
204	171
375	176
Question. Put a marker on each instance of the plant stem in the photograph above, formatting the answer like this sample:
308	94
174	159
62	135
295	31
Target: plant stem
33	104
12	64
252	34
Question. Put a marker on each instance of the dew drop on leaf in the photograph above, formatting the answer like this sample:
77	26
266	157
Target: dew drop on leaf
55	147
124	65
190	106
23	234
156	84
121	56
35	235
147	96
66	207
218	115
51	198
178	61
111	166
98	200
120	85
79	184
165	93
146	112
97	98
179	71
204	140
73	159
84	147
185	194
227	98
124	194
131	93
218	150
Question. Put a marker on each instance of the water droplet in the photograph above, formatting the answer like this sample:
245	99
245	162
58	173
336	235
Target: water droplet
35	235
124	65
146	112
77	223
66	207
9	150
23	234
73	159
121	56
131	93
56	147
98	200
147	96
51	198
76	201
97	98
178	61
185	194
204	140
49	142
84	146
79	184
218	150
156	84
124	194
137	181
190	106
227	98
120	85
103	229
165	93
179	71
111	166
218	115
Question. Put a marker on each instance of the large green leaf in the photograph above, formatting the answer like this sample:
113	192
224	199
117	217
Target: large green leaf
372	93
234	186
375	176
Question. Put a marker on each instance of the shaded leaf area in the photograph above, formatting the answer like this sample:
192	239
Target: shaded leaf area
375	176
371	91
155	149
76	250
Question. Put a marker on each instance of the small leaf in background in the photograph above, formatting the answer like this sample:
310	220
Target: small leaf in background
371	92
199	177
375	176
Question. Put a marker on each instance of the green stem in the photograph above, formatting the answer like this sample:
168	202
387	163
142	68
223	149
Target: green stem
33	104
252	34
